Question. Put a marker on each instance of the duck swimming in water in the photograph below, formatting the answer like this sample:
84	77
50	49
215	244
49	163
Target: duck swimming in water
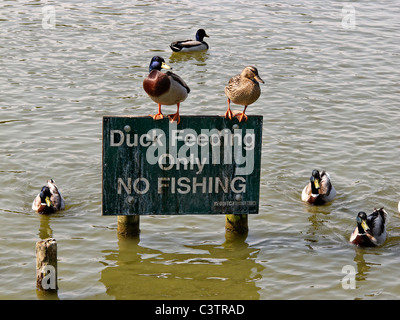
164	88
49	200
191	45
319	190
371	230
243	89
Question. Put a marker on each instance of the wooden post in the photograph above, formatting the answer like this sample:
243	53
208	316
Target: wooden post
46	265
129	226
236	224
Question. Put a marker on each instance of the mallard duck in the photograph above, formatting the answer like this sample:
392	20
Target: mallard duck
319	190
164	88
371	230
49	200
191	45
243	89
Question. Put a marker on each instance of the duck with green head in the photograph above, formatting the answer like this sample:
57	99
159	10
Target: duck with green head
164	88
191	45
49	199
319	190
370	230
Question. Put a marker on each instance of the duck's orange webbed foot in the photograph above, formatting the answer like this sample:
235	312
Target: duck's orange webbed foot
175	116
159	115
242	116
229	114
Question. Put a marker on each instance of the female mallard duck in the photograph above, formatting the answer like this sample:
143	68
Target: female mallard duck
319	190
164	88
191	45
371	230
243	89
49	200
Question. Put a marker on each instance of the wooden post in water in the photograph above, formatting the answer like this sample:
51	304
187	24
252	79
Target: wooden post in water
46	265
236	224
129	226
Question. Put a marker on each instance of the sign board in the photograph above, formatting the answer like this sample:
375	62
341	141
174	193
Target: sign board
203	165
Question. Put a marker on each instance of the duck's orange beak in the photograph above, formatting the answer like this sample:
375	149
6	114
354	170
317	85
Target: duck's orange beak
257	78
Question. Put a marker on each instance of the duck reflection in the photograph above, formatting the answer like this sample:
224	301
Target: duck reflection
363	267
204	271
45	231
200	57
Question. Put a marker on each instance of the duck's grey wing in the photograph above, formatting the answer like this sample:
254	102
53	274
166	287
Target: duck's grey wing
376	221
326	185
179	45
178	79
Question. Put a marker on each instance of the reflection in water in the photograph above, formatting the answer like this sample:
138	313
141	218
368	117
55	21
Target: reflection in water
363	267
211	272
45	230
200	56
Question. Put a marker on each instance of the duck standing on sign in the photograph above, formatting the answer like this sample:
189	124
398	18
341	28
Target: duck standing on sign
164	88
243	89
191	45
49	200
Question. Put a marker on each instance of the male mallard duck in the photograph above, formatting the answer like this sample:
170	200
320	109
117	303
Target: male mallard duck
319	190
164	88
371	230
191	45
49	200
243	89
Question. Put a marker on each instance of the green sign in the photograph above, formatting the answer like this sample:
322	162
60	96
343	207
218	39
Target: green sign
203	165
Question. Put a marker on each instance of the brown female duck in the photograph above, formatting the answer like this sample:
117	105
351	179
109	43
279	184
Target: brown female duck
164	88
243	89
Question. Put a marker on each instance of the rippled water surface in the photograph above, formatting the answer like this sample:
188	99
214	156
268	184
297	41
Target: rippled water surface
330	101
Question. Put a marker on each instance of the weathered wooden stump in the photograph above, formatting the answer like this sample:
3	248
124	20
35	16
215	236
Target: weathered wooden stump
236	223
128	226
46	265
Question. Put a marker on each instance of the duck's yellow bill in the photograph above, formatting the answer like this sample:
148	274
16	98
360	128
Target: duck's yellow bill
48	202
165	66
316	184
364	225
